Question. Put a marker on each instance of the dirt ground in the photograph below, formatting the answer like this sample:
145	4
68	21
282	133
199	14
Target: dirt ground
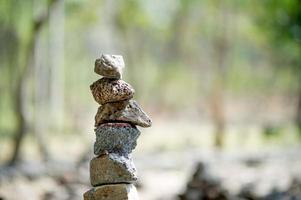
165	157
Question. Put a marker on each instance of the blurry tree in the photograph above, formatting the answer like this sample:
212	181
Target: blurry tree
15	59
21	31
132	26
281	21
220	45
178	28
56	63
167	45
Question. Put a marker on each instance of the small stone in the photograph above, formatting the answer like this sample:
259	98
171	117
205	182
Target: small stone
118	138
107	90
112	192
112	168
126	111
109	66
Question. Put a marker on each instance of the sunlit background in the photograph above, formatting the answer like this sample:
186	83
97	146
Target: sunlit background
221	80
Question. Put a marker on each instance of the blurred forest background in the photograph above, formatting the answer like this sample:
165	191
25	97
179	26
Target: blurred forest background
221	80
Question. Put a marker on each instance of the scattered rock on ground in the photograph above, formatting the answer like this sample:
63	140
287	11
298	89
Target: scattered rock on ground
202	186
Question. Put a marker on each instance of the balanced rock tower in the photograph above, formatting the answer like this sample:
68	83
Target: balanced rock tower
112	171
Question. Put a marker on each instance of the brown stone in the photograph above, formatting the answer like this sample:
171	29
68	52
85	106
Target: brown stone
126	111
107	90
112	192
112	168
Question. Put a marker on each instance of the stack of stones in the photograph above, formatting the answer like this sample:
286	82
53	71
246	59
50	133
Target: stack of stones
112	171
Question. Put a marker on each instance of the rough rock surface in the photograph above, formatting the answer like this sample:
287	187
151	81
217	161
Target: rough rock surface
118	138
127	111
107	90
112	168
202	186
109	66
112	192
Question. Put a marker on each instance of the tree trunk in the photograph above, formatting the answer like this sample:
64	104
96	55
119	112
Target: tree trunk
298	116
20	121
56	61
218	115
179	28
221	47
41	85
18	96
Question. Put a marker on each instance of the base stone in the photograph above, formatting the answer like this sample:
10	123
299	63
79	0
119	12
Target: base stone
112	192
112	169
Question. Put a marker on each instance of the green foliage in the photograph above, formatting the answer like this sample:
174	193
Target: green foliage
281	20
168	47
284	19
131	15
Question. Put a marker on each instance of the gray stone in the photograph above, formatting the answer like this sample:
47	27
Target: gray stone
107	90
112	192
118	138
126	111
109	66
112	168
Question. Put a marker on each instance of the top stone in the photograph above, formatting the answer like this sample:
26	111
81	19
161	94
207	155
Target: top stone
109	66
